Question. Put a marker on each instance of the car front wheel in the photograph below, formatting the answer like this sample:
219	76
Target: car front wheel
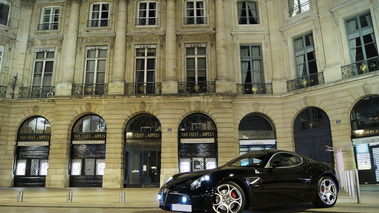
327	192
229	198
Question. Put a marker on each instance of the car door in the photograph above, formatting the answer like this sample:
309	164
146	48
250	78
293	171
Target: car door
285	178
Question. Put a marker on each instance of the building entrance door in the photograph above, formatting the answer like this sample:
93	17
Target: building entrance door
141	162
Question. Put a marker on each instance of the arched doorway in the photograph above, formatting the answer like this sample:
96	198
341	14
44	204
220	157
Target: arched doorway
88	141
312	135
256	132
32	153
197	143
142	154
365	136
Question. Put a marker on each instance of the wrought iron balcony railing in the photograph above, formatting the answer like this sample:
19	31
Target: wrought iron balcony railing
305	81
89	89
197	87
36	92
254	88
360	68
143	88
146	21
98	23
193	20
48	26
3	91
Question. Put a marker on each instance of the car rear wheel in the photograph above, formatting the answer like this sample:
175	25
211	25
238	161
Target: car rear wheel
229	198
327	192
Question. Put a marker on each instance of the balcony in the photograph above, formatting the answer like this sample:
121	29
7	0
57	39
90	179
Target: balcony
254	88
305	81
143	88
36	92
98	23
360	68
197	87
146	21
3	91
89	89
48	26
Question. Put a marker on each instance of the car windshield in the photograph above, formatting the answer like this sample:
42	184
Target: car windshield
250	160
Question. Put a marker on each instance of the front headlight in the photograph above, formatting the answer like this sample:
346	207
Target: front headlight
197	183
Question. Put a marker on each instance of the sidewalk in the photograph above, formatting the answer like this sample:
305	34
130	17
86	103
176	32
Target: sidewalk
147	198
81	197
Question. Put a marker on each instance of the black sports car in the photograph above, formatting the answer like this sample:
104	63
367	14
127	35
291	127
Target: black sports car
256	179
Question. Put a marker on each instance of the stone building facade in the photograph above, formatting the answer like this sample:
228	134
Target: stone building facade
119	93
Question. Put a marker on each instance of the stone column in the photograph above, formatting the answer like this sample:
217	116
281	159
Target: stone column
223	83
116	86
66	76
170	84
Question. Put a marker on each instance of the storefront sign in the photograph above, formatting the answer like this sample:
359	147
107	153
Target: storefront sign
200	134
36	143
367	140
90	136
257	142
143	135
365	132
258	134
89	142
197	140
34	137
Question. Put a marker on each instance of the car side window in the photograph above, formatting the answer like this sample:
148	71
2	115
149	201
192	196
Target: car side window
285	160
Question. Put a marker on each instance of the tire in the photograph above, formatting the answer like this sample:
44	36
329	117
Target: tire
229	198
327	193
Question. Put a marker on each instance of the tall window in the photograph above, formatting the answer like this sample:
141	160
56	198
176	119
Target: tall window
43	73
195	12
196	67
361	38
145	69
1	56
96	60
5	9
147	13
247	12
251	68
297	6
99	15
49	18
305	58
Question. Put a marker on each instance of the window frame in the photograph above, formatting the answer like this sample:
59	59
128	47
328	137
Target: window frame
99	21
305	50
301	7
247	17
43	87
9	12
145	21
196	58
195	17
1	57
360	33
96	60
51	24
145	87
251	59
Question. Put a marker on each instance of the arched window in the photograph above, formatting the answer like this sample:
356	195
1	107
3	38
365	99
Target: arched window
88	152
197	143
32	152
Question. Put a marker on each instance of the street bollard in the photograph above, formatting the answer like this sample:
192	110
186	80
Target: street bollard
122	197
20	196
69	197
